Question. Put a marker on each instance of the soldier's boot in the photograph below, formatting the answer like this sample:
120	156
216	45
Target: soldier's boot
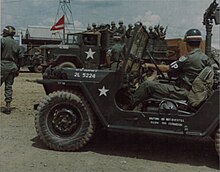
7	110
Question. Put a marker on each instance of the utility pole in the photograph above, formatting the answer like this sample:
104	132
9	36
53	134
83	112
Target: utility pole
64	8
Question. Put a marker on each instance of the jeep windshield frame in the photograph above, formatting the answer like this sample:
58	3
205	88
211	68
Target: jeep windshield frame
138	44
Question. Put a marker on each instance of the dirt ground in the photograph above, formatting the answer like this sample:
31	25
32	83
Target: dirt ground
22	151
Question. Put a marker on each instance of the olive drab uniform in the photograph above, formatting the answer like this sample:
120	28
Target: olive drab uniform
116	52
188	67
10	54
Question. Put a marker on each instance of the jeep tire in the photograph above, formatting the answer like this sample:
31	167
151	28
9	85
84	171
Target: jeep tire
64	121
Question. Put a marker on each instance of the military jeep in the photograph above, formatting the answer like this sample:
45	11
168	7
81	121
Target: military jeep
78	99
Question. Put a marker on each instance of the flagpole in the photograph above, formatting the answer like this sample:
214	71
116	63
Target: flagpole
64	32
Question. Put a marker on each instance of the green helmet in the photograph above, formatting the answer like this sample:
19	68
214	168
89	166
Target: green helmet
88	27
112	23
9	31
161	27
120	22
193	35
130	25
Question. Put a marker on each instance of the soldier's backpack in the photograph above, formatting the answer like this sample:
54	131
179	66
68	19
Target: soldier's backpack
201	87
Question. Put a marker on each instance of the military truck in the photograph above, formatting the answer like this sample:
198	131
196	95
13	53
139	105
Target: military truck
78	99
88	50
81	50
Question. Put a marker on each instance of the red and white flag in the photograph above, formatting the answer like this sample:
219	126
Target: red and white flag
59	25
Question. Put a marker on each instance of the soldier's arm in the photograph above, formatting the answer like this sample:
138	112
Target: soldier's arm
163	68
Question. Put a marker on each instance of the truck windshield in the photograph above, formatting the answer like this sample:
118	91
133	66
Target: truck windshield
72	39
90	39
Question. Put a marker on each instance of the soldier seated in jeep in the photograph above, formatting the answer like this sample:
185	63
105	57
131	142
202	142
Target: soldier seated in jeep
188	68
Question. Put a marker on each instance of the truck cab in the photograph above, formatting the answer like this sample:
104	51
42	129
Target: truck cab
81	50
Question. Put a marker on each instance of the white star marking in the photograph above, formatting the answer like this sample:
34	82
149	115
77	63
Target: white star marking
103	91
89	54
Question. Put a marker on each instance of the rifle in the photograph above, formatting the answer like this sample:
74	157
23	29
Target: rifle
209	14
212	12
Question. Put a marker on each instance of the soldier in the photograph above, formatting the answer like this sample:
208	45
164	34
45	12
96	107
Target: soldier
107	27
162	33
188	68
10	63
113	28
101	27
138	23
129	31
151	33
121	30
116	54
129	34
156	31
89	28
94	27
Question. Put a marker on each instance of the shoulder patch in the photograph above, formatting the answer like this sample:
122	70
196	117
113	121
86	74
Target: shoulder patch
182	58
174	65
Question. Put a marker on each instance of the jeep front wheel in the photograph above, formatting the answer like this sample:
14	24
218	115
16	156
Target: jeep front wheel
64	121
217	142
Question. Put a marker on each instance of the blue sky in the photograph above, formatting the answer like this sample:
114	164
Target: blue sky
178	15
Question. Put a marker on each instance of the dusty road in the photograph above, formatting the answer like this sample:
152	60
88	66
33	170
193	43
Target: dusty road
22	151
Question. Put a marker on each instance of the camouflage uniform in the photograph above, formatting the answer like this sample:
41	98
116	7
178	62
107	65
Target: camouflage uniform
188	68
10	54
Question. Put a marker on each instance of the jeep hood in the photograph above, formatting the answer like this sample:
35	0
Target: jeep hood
59	46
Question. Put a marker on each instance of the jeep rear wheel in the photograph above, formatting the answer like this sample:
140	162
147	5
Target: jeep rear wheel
64	121
67	65
217	142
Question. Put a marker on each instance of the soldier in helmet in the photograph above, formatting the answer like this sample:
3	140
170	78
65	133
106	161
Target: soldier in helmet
116	54
187	67
11	55
89	28
121	30
94	27
113	28
156	31
151	32
162	32
129	34
129	31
